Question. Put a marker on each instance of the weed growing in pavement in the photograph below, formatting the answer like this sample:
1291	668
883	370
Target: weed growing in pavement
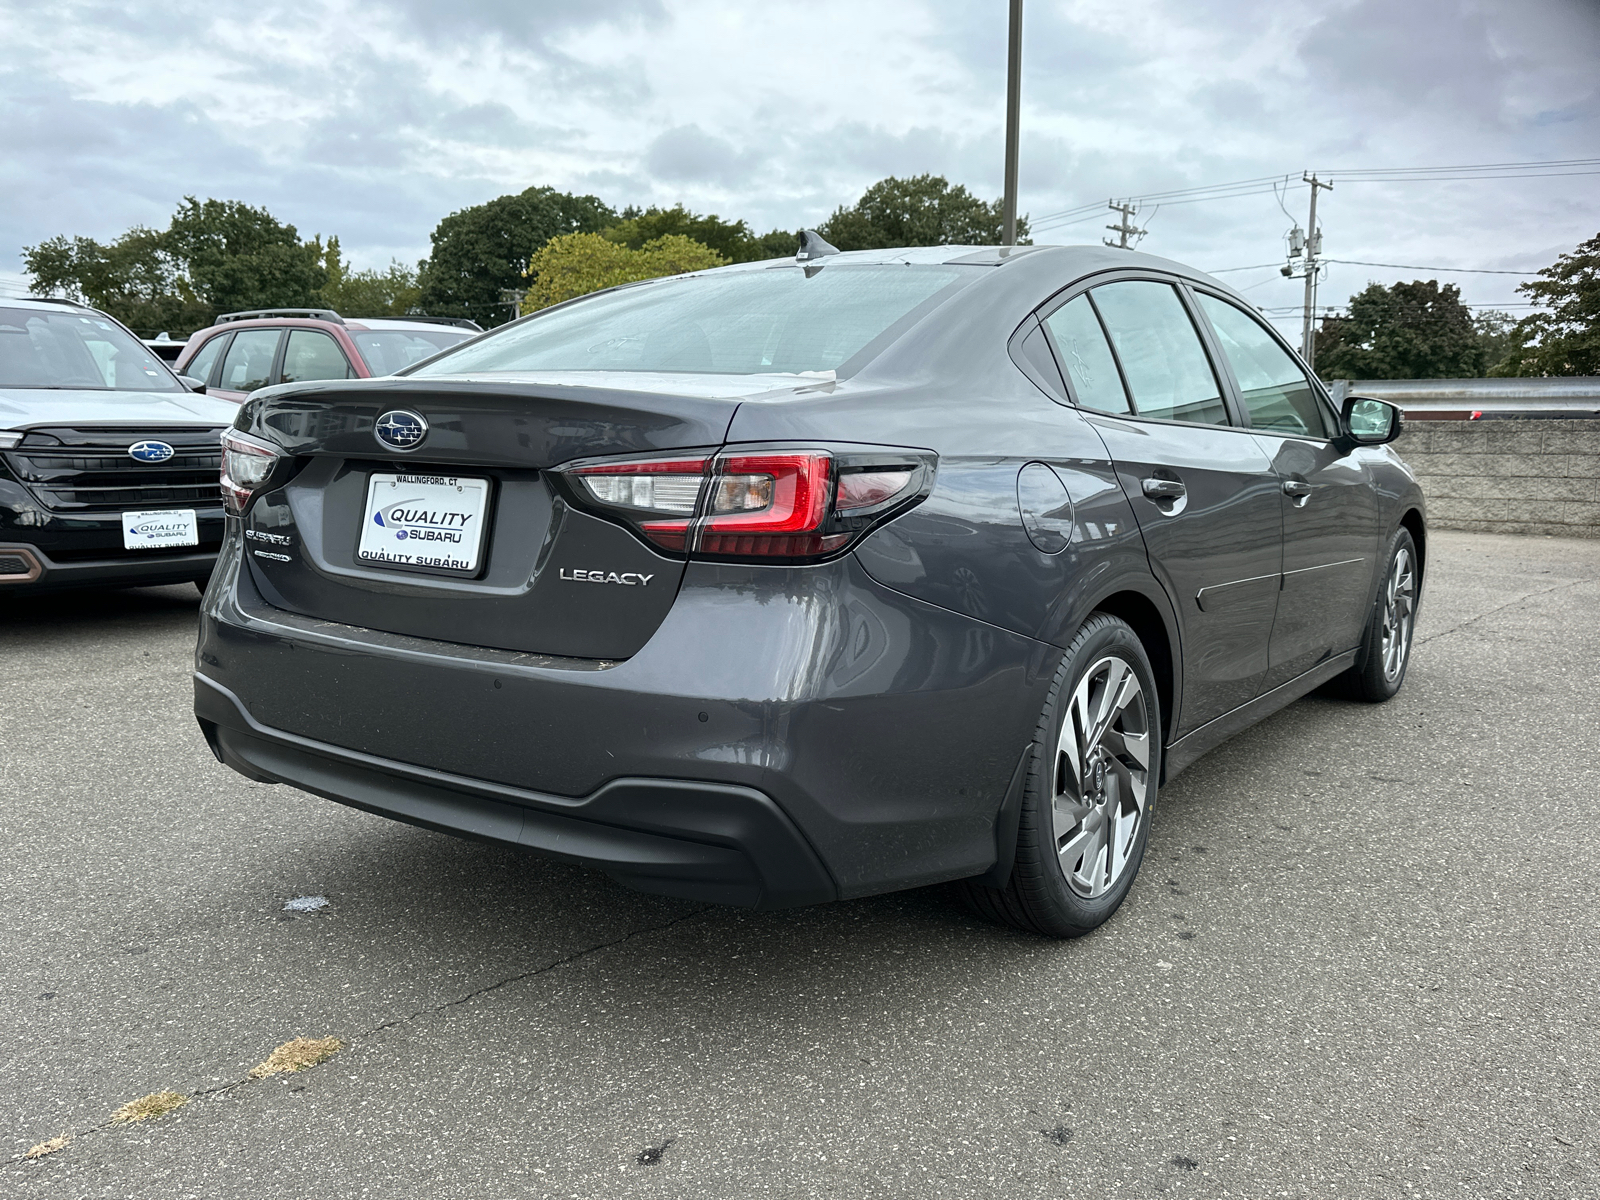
156	1104
297	1055
50	1147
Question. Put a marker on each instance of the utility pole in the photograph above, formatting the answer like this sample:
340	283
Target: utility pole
1125	228
1008	234
514	298
1308	336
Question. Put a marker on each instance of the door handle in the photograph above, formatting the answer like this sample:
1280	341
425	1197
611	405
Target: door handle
1171	497
1297	490
1164	489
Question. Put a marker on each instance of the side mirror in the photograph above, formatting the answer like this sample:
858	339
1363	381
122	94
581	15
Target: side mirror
193	384
1368	422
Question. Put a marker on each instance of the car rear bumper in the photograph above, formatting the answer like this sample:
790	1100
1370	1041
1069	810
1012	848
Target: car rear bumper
786	736
698	840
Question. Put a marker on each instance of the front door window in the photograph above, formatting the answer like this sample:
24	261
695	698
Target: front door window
1275	391
312	354
199	367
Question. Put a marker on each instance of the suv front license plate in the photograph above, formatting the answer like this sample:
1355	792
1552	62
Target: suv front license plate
158	529
424	522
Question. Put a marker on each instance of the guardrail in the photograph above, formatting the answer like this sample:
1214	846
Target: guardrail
1565	397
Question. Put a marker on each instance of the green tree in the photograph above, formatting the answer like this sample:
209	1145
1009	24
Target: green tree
734	240
1496	334
215	256
133	278
239	257
1564	339
1417	330
576	264
483	251
921	211
389	293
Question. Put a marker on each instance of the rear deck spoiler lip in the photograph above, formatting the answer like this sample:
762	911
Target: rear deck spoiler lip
508	424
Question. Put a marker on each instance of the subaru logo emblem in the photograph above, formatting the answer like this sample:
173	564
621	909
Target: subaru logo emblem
400	430
150	452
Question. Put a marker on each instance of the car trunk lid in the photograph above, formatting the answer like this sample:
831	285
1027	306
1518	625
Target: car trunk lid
547	579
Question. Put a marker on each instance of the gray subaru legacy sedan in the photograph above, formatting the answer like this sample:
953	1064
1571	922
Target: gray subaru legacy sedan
815	578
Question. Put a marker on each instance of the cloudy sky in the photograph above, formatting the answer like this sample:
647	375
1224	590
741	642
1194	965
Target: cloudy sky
373	120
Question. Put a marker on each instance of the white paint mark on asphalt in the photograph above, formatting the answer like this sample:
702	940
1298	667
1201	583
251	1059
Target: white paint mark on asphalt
306	904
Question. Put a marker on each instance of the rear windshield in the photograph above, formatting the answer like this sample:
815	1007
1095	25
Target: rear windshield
67	349
751	322
388	350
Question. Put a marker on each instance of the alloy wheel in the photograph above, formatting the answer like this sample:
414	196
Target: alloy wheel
1101	777
1399	605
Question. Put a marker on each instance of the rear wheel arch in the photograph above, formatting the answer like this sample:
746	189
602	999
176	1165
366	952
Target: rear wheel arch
1156	631
1418	528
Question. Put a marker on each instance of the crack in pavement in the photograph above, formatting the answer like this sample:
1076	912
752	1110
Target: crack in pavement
352	1039
560	962
1508	604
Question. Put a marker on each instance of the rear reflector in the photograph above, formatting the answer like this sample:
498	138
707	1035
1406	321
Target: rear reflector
769	503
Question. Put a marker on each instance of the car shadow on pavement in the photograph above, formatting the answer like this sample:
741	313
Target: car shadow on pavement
97	607
437	918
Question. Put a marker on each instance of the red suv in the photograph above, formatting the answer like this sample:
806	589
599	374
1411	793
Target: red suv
244	351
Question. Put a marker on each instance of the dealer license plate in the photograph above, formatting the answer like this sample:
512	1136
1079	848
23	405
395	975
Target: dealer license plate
159	528
429	522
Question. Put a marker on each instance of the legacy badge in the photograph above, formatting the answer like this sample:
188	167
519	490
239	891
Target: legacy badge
626	578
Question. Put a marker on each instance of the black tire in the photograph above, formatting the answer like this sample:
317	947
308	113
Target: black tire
1038	897
1377	675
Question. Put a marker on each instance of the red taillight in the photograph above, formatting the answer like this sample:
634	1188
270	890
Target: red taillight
246	465
770	506
770	502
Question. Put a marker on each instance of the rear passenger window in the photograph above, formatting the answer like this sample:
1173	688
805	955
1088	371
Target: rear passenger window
1275	390
249	360
199	367
1087	358
1161	355
311	354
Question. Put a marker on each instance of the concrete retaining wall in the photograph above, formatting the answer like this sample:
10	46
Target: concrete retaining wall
1538	477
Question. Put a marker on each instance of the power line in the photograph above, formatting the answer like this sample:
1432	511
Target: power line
1292	309
1458	178
1355	262
1351	262
1265	183
1518	166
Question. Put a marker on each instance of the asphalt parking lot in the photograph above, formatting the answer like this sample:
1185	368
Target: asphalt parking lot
1362	959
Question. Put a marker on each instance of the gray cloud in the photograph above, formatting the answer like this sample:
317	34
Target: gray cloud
687	154
525	23
1433	53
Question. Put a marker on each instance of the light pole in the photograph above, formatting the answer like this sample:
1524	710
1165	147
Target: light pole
1008	235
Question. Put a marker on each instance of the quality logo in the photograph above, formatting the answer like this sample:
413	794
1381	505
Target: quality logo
155	529
412	520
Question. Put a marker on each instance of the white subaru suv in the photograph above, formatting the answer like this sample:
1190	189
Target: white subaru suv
108	461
